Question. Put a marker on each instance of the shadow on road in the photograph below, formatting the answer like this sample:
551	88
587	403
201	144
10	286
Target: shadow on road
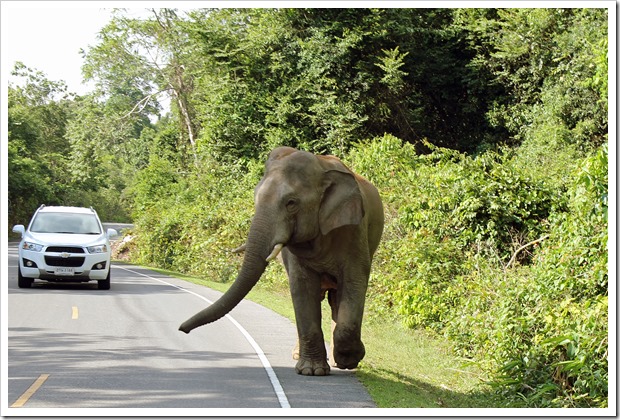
122	374
121	287
127	284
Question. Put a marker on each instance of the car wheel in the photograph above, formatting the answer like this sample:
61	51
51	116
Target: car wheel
104	284
23	282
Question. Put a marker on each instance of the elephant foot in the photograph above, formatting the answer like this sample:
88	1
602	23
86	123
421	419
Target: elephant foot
348	360
312	367
350	364
349	355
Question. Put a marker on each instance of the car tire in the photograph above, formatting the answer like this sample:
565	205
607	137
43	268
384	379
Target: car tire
104	284
23	282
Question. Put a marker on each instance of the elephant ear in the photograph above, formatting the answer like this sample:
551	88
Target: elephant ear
342	202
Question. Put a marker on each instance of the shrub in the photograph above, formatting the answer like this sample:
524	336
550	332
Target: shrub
443	209
539	326
543	327
190	222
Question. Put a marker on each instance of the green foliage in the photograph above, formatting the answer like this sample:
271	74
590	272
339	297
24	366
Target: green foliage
29	184
547	64
189	222
60	151
320	79
391	64
555	311
449	206
454	222
580	267
36	151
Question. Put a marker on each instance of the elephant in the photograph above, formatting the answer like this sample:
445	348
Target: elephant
327	223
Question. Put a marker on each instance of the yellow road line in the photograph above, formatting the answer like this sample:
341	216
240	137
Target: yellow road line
74	313
30	391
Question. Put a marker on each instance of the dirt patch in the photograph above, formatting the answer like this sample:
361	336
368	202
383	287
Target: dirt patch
121	249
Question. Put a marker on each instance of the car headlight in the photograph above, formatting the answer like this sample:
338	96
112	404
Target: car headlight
97	249
31	246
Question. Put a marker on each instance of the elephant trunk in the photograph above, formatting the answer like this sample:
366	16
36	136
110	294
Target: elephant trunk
257	251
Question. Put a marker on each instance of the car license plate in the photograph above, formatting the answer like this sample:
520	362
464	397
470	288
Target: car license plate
64	271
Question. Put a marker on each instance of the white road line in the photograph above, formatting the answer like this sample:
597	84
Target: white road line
277	387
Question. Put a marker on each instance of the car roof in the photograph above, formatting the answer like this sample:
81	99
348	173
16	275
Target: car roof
66	209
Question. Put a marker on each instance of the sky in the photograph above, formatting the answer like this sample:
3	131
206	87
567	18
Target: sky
49	38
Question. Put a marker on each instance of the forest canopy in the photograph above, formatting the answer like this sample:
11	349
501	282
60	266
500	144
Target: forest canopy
485	131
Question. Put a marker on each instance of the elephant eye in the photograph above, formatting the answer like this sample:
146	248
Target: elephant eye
291	204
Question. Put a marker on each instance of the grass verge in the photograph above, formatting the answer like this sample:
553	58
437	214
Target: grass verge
402	368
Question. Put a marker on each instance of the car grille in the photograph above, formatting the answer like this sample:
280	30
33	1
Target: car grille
72	249
64	262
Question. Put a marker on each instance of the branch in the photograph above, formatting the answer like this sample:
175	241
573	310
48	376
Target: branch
514	256
142	103
188	121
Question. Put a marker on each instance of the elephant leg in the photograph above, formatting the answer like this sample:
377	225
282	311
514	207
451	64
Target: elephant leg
306	293
347	345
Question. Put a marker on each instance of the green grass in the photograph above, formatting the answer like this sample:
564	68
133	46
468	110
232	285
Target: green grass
414	368
402	368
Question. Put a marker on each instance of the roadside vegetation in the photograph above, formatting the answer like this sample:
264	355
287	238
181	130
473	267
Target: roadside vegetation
485	130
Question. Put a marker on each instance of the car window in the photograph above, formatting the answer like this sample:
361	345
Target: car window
66	223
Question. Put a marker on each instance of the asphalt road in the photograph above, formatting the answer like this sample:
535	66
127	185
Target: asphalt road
84	348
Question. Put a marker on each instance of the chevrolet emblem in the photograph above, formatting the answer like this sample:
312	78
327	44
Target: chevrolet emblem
65	255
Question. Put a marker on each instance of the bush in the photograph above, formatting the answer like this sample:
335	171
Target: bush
189	222
453	222
543	327
443	209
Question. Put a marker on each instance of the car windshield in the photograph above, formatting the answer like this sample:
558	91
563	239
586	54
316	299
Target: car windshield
66	223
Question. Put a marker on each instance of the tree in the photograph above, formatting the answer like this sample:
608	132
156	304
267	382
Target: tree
139	59
544	64
38	111
64	149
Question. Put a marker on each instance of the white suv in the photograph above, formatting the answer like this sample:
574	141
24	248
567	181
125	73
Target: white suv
64	244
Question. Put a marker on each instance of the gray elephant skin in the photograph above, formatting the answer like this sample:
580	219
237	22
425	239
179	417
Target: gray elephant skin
327	221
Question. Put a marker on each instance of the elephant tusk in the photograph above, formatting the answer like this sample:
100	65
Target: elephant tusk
275	252
239	249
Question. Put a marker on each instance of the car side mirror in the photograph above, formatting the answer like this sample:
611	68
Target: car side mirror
19	229
111	233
